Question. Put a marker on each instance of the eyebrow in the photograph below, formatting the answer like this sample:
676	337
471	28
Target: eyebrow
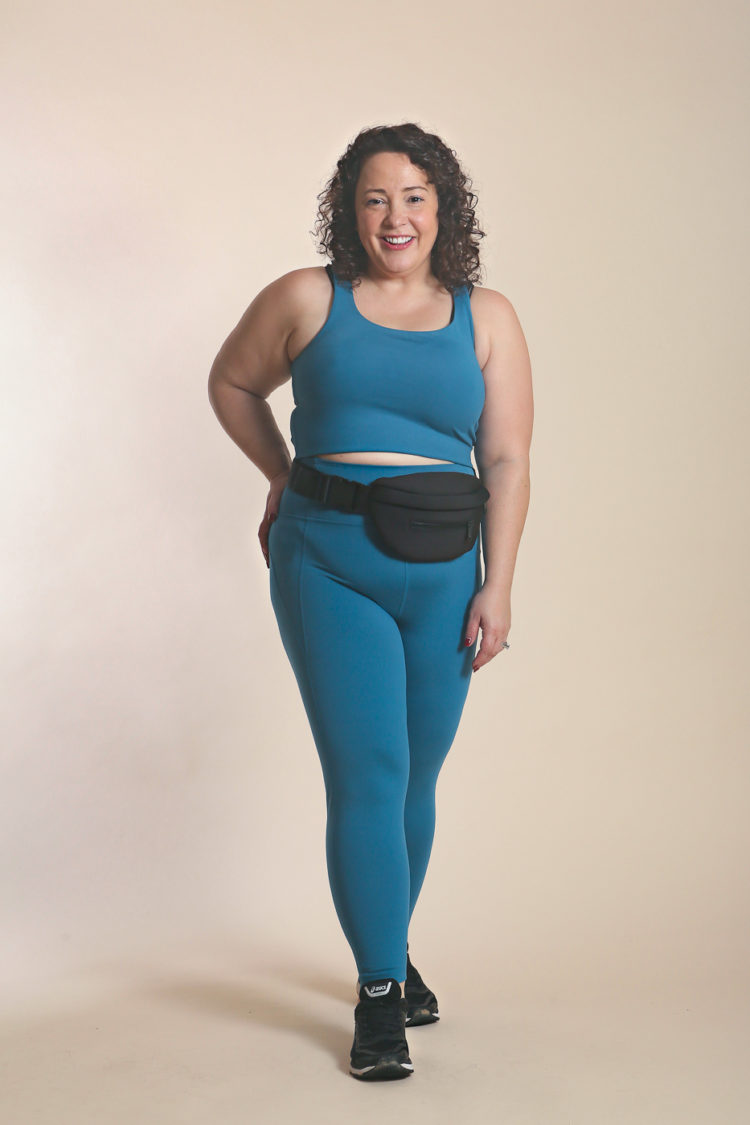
415	187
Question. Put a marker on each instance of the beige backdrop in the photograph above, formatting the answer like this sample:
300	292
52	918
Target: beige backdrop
162	801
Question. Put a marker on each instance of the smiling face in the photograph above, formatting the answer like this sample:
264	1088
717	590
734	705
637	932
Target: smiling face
393	199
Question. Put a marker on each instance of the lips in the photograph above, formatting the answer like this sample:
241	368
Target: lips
398	245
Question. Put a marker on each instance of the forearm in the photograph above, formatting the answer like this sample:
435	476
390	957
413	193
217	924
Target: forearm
250	423
504	518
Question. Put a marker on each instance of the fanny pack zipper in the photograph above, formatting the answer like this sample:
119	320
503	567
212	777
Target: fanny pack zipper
468	524
435	523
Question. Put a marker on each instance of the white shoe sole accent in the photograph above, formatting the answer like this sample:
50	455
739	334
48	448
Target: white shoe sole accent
365	1069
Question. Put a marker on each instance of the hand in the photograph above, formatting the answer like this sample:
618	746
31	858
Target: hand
490	610
277	486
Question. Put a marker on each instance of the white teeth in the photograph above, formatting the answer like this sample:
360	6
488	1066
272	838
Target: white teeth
397	241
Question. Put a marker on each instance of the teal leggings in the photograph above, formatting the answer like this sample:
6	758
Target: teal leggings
377	646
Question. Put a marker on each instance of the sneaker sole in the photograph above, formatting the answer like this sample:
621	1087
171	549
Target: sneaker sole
421	1016
382	1070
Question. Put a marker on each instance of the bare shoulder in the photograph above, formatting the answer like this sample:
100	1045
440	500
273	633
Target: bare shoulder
310	299
291	294
488	299
304	284
255	354
307	284
495	322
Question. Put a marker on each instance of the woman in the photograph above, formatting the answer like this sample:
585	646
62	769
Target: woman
399	365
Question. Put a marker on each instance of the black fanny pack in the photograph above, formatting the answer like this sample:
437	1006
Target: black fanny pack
421	517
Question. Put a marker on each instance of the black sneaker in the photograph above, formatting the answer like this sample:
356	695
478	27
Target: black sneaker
380	1050
421	1003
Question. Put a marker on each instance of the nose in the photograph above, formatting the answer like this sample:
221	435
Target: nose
394	219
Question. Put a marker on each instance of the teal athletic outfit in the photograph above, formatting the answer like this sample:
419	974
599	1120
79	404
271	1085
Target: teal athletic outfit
377	643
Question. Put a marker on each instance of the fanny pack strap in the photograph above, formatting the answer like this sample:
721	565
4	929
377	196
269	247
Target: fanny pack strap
328	488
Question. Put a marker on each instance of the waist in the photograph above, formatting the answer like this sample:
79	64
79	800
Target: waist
383	457
293	504
346	426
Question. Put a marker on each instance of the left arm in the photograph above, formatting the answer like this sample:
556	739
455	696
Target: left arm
502	455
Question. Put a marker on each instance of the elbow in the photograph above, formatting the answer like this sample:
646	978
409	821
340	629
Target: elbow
213	377
211	388
516	462
217	382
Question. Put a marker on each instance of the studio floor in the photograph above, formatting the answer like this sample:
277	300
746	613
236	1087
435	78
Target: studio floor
198	1036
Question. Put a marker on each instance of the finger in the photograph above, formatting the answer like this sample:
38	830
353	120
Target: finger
485	651
489	649
471	631
263	530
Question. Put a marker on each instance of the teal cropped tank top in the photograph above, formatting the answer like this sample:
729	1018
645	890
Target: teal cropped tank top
358	385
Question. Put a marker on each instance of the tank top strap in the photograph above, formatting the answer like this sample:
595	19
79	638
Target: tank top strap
462	298
338	310
343	307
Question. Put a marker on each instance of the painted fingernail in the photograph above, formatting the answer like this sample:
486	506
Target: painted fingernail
468	640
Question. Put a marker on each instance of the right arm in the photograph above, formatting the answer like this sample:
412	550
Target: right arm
250	364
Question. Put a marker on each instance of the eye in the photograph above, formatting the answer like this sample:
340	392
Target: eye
419	198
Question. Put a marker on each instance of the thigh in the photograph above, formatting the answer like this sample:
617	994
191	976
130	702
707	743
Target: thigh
438	662
346	651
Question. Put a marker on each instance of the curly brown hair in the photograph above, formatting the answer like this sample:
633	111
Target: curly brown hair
454	257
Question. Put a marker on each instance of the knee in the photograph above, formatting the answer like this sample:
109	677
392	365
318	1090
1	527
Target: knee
373	782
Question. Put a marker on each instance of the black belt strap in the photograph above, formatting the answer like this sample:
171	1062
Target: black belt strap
328	488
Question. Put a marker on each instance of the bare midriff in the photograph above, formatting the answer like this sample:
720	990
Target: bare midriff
369	457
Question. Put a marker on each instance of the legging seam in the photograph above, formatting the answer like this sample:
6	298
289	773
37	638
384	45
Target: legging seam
300	602
300	572
400	609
